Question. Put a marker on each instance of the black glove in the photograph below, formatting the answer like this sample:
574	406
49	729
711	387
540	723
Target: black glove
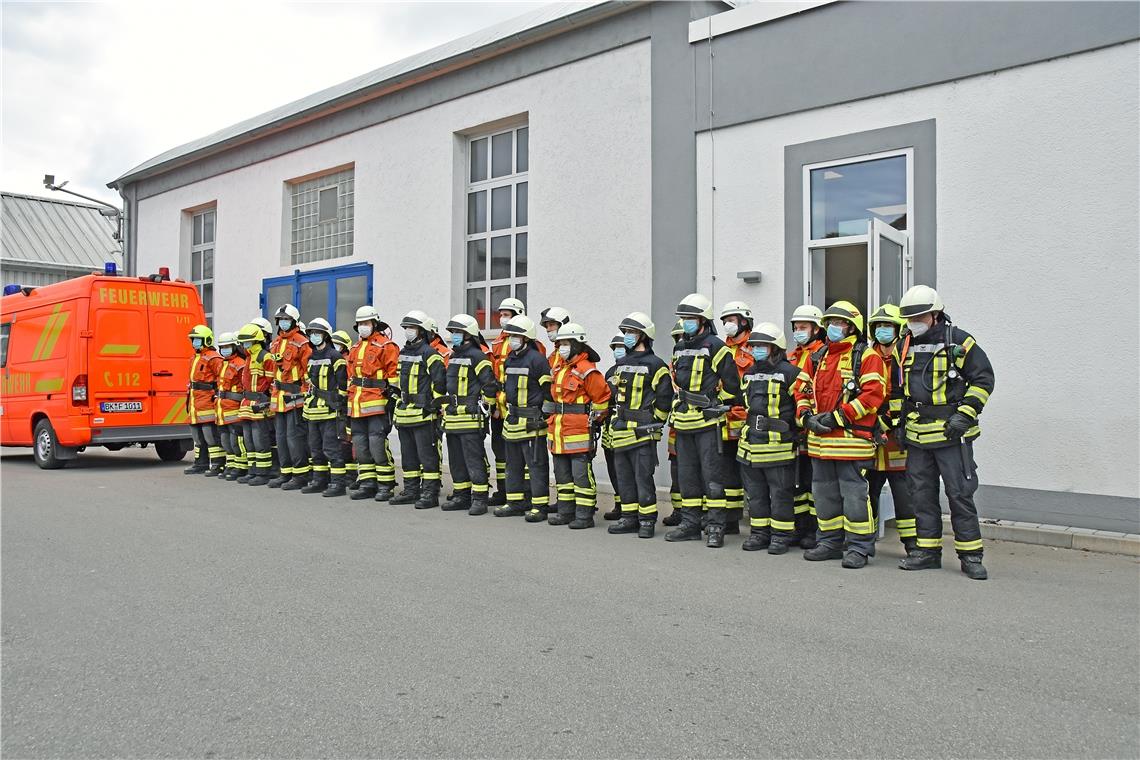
957	425
822	423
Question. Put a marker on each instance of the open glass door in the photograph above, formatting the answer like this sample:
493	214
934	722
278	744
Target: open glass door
890	259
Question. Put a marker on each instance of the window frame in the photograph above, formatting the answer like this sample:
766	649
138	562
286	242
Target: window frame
5	337
328	274
807	169
334	178
199	249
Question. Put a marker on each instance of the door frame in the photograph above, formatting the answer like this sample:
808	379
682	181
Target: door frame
329	274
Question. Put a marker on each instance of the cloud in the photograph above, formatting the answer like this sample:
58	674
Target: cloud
91	90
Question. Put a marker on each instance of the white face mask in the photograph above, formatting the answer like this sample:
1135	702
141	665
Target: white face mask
564	351
364	330
917	329
731	329
411	333
516	343
550	334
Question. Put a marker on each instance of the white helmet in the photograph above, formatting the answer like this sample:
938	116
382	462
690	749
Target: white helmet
227	339
695	305
288	311
320	325
571	331
464	323
641	322
365	313
768	332
520	324
417	318
302	326
263	323
736	308
554	314
808	313
512	304
919	300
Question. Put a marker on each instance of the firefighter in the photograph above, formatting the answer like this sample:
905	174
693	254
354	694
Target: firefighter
325	410
643	398
343	342
290	351
947	380
884	326
707	385
526	387
839	409
808	336
673	519
373	369
580	399
257	382
500	349
205	369
550	319
767	452
736	320
231	393
472	391
617	346
423	382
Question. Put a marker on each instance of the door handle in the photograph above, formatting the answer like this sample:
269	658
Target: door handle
163	373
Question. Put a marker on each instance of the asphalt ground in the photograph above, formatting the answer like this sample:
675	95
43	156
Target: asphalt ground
150	614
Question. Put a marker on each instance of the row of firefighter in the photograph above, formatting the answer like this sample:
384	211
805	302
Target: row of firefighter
798	436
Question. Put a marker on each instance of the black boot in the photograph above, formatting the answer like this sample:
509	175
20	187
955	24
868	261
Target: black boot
615	513
366	490
627	524
429	495
853	560
511	509
690	527
499	498
296	483
230	473
921	559
716	536
779	545
583	518
758	539
336	488
257	480
478	505
822	552
805	530
972	567
646	527
909	544
673	519
195	469
459	500
279	480
354	484
410	494
537	514
214	471
316	485
384	491
562	515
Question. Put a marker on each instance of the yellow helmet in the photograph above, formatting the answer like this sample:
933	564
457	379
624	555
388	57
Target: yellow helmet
887	313
251	333
341	340
848	311
768	332
203	332
678	329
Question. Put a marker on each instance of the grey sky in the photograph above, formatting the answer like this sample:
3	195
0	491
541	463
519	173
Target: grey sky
90	90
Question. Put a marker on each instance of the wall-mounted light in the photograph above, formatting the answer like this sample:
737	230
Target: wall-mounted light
751	277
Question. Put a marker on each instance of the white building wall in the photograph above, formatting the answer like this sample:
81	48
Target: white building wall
1037	185
589	200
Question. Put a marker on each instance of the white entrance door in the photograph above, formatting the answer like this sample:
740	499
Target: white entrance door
890	262
867	270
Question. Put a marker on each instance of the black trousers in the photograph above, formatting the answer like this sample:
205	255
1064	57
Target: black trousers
371	450
634	467
574	479
324	442
733	484
419	453
499	449
955	465
233	443
842	509
258	445
528	454
611	471
771	493
699	465
292	443
208	451
468	461
900	495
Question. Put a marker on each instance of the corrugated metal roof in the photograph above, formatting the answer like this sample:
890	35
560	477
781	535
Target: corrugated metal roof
542	22
55	233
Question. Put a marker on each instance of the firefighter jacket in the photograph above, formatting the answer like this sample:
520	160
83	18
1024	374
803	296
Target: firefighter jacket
769	435
891	453
742	358
801	357
579	400
205	369
607	425
423	382
470	379
441	347
500	350
257	384
706	378
849	382
373	369
327	393
291	352
643	395
231	390
944	371
526	386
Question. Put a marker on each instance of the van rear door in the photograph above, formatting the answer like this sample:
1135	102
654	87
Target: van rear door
174	309
119	379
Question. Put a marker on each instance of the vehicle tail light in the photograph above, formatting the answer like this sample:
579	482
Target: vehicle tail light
79	390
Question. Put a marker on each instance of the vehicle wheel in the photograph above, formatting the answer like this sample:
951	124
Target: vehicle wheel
170	451
45	446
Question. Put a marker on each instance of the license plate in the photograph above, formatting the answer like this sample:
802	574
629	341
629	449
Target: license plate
120	406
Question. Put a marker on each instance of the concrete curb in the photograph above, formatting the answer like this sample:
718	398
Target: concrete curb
1085	539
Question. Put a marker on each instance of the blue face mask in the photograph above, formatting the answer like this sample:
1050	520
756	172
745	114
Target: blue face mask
619	353
884	334
760	353
629	339
226	352
456	340
691	326
196	343
835	333
801	337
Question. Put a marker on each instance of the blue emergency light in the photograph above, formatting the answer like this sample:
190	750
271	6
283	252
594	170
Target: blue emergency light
11	290
109	268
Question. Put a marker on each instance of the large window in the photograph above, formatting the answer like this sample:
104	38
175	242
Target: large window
321	217
202	259
844	197
496	232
